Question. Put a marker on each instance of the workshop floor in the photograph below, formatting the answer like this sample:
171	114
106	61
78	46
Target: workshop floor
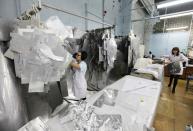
175	111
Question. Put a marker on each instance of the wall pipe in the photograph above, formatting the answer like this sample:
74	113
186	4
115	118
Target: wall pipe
70	13
190	32
142	7
166	9
86	15
103	12
159	16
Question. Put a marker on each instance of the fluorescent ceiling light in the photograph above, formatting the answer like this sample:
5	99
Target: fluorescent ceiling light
177	28
173	15
173	3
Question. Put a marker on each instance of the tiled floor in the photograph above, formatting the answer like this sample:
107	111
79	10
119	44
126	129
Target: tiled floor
174	111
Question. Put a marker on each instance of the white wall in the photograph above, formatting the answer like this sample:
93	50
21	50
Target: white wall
78	7
162	43
13	8
119	14
8	9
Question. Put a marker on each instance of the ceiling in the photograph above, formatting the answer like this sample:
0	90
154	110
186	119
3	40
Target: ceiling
157	1
177	8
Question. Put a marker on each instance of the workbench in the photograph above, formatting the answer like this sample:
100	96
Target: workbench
136	102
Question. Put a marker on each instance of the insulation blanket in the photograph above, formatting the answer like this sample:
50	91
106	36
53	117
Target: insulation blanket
38	56
56	25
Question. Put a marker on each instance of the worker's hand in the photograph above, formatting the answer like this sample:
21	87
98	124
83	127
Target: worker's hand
75	65
73	61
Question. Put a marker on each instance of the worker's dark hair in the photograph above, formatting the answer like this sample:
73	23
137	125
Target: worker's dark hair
176	49
74	55
83	55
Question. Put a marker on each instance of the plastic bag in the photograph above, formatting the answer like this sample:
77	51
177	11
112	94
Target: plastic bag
59	28
174	67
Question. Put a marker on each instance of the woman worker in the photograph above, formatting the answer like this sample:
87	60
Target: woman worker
79	80
176	56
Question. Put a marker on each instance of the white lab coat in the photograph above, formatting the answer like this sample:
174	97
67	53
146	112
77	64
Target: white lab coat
79	81
181	58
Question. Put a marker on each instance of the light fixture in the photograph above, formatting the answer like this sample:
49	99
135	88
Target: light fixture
172	3
179	14
177	28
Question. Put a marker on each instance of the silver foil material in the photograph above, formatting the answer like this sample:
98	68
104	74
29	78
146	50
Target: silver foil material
107	98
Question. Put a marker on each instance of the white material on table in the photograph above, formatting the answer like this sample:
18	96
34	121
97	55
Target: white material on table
136	103
142	63
155	69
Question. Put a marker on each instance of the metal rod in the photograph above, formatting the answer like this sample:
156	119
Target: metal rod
86	15
18	8
131	13
103	11
165	20
68	12
141	7
143	19
177	13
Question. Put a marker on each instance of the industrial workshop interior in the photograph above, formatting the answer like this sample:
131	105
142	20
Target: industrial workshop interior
96	65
